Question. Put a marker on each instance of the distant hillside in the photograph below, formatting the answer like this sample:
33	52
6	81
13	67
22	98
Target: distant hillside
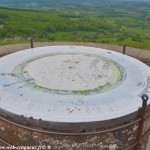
82	5
50	4
102	21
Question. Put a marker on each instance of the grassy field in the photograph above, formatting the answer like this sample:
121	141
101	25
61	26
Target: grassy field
115	25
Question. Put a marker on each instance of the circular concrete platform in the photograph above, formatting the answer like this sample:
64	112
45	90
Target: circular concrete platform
72	86
74	72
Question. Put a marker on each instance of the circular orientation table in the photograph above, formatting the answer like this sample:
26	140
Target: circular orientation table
72	86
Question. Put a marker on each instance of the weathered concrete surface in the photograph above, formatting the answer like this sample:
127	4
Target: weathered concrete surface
88	70
134	52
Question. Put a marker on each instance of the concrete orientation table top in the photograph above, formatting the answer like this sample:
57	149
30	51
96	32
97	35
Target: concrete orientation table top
72	84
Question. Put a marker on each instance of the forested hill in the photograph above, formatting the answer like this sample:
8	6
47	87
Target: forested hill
53	3
102	21
82	5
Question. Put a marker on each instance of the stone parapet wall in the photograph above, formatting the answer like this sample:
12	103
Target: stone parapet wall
140	54
112	140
